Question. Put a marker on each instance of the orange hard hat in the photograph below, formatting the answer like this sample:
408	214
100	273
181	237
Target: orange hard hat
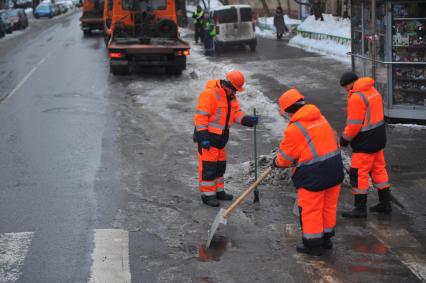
236	78
289	98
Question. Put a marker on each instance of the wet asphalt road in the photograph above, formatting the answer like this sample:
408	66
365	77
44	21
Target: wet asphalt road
83	150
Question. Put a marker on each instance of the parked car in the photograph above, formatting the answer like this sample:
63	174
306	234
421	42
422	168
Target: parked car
56	9
44	10
77	3
2	31
7	23
234	26
68	3
18	18
63	8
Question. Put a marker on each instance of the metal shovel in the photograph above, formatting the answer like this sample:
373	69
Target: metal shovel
223	214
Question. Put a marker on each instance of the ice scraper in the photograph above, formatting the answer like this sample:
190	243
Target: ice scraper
223	214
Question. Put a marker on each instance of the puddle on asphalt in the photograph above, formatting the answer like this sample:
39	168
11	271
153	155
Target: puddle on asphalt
217	249
370	256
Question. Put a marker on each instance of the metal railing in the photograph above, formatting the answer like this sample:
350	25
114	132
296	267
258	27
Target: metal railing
323	36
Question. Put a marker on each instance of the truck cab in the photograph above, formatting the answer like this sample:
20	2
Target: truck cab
92	18
145	33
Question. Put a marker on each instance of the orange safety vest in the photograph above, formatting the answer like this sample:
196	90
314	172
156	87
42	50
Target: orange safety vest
215	111
365	125
310	144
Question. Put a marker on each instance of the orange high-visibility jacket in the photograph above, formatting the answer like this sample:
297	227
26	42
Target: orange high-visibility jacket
365	126
215	111
310	144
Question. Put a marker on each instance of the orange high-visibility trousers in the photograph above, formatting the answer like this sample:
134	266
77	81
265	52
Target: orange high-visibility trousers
317	214
364	165
211	168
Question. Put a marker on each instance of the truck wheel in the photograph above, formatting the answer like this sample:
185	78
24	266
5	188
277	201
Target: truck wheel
252	46
87	32
119	70
166	28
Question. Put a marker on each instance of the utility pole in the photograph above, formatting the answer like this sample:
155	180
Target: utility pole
373	39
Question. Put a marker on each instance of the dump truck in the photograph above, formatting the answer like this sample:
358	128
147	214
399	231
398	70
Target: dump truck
92	17
144	33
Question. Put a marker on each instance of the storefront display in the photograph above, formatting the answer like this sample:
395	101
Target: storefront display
400	59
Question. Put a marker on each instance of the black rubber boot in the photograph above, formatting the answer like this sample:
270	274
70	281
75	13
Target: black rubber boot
384	205
360	210
327	243
224	196
314	251
210	200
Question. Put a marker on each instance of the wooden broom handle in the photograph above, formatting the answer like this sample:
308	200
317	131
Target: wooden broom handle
240	199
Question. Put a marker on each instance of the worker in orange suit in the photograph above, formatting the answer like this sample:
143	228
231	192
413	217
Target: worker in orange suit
217	110
365	132
311	147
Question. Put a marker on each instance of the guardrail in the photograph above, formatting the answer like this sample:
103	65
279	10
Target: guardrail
323	36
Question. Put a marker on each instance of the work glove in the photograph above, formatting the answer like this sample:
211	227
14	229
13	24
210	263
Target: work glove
343	142
274	163
205	144
250	121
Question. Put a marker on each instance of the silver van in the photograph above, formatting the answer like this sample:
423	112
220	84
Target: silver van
234	26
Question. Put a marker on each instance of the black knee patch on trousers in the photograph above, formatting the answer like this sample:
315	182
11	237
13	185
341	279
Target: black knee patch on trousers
353	176
221	168
209	170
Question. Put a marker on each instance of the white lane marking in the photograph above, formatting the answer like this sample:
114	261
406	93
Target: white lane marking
13	250
25	78
111	257
408	250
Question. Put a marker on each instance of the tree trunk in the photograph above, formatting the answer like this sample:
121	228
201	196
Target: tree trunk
265	8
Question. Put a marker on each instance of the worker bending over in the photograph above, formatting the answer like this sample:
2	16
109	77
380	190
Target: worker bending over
311	147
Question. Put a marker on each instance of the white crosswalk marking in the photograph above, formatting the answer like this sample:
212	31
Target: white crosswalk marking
404	246
111	257
13	250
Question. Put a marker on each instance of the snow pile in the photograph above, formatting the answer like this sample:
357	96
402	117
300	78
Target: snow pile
331	26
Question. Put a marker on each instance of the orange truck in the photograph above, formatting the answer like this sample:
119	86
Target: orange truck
92	18
144	33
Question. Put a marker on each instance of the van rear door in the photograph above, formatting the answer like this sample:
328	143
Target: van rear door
228	23
245	30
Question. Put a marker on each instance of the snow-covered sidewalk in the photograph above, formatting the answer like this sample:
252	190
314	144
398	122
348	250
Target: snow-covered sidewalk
329	37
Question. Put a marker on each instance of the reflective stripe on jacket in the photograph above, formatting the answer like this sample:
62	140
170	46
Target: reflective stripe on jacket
365	126
310	144
215	111
198	17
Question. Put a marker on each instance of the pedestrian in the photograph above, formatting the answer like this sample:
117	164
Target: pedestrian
217	110
279	22
198	18
365	132
311	147
209	37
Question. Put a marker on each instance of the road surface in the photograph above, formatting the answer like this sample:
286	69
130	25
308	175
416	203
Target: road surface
99	176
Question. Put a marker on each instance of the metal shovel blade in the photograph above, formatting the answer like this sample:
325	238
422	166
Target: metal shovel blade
219	219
